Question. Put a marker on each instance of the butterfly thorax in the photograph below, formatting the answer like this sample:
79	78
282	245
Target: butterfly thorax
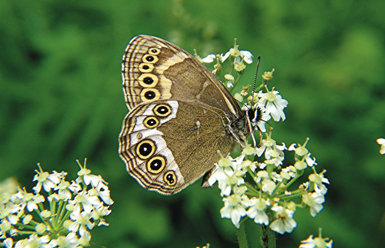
238	128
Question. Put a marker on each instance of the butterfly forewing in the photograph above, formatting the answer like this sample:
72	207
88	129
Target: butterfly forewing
154	69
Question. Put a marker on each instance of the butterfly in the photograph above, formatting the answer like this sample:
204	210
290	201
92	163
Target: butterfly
180	116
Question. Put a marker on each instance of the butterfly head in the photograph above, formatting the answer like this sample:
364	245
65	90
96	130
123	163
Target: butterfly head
243	126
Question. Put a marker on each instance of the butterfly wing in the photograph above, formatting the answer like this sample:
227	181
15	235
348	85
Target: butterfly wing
169	144
154	69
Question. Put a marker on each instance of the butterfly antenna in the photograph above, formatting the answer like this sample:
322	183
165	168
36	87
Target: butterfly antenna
256	73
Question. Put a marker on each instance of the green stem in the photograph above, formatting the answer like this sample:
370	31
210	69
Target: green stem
241	235
267	237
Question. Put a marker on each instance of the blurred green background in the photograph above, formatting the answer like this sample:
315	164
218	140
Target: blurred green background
61	99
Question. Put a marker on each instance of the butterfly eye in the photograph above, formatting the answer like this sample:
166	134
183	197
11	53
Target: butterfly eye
151	122
154	51
162	110
156	164
145	149
148	80
149	94
146	67
170	178
150	58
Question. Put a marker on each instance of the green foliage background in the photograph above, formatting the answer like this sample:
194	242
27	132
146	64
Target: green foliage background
61	99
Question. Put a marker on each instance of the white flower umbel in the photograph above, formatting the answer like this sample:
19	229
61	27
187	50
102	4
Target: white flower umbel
261	183
60	215
269	196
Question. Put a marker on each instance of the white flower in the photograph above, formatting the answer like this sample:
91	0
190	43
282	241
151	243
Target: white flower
48	181
256	210
314	201
268	186
244	55
228	173
29	199
70	240
319	178
208	59
317	242
80	218
223	168
234	208
300	150
274	156
310	161
63	192
381	141
247	56
8	243
274	104
75	187
268	75
35	241
284	221
104	192
87	201
231	181
288	172
224	57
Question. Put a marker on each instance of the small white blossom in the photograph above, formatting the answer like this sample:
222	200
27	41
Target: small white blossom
317	242
274	104
244	55
318	178
314	201
234	208
257	212
284	221
381	142
48	181
208	59
268	75
268	186
228	173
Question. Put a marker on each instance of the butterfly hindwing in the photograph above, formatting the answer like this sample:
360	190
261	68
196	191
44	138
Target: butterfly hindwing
165	143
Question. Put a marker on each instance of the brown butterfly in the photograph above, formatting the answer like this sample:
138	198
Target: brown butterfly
180	116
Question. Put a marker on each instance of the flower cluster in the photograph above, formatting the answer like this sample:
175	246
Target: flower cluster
268	103
259	183
236	57
270	196
58	213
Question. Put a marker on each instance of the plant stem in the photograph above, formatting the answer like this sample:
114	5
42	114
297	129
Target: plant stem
241	235
267	237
